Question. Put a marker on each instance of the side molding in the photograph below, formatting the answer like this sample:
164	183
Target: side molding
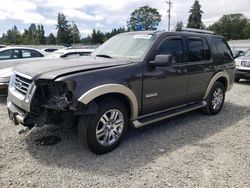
112	88
213	80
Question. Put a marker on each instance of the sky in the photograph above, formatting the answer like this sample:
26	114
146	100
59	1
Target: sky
107	14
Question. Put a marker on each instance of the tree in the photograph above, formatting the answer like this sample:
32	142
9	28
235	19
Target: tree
63	30
51	39
231	26
246	31
179	25
144	18
97	37
13	36
75	34
194	19
40	34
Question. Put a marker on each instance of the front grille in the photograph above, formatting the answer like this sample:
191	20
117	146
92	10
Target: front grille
22	84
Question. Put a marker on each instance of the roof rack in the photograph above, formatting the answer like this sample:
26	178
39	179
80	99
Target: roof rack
196	30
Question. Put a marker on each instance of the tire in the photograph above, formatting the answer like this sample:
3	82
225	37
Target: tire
103	132
215	99
237	79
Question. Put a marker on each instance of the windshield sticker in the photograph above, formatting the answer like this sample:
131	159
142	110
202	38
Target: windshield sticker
142	36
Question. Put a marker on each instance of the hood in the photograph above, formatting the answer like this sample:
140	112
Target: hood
242	58
53	68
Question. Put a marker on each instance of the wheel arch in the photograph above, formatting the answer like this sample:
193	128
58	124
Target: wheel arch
121	92
222	77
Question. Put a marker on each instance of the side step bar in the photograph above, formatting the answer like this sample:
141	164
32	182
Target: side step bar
155	117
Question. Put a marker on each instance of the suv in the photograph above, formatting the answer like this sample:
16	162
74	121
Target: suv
243	67
135	78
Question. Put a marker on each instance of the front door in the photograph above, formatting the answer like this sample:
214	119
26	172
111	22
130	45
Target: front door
165	87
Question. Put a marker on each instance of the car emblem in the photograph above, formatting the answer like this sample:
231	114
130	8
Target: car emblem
19	84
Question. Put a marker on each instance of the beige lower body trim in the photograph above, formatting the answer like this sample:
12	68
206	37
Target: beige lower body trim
112	88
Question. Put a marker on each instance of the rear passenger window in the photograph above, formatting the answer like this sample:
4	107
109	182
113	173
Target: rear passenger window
30	54
222	49
6	54
173	47
196	50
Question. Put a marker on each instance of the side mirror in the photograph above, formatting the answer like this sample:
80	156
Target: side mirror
162	61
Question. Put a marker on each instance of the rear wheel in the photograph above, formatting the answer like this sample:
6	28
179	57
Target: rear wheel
104	131
215	99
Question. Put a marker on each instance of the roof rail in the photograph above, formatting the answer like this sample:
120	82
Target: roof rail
196	30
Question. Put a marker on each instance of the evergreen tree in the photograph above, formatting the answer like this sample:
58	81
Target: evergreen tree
179	25
97	37
63	30
41	34
75	34
13	36
51	39
194	20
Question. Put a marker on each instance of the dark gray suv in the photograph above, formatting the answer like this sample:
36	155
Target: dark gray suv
135	78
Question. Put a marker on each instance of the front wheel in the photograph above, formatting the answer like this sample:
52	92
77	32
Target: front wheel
215	99
104	131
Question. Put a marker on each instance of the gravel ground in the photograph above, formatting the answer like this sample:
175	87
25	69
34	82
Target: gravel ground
191	150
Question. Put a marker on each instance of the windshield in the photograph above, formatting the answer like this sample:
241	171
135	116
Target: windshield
247	53
125	46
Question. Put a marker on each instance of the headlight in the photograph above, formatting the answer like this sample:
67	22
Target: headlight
238	63
59	95
245	63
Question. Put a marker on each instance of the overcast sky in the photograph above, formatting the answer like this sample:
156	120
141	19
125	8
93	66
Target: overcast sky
106	14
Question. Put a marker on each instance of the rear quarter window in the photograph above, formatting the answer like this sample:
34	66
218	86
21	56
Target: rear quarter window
223	50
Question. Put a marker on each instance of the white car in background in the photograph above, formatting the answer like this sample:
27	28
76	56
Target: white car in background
242	67
12	56
70	52
5	74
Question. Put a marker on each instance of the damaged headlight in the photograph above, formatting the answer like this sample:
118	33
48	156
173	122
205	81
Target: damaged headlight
59	95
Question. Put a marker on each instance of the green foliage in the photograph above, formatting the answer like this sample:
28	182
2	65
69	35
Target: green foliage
179	25
13	36
246	31
97	37
63	30
231	26
75	34
145	18
194	19
51	39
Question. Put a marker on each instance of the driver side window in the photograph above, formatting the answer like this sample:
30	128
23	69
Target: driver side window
173	47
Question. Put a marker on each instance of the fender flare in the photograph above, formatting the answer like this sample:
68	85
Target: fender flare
112	88
218	75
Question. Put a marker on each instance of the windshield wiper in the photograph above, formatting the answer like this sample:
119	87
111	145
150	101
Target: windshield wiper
103	55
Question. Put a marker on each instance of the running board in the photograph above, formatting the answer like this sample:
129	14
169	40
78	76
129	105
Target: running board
155	117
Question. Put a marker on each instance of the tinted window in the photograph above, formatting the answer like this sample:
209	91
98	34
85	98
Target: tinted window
6	54
196	50
207	53
222	49
30	54
173	47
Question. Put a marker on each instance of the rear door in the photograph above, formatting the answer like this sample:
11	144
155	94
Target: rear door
200	66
